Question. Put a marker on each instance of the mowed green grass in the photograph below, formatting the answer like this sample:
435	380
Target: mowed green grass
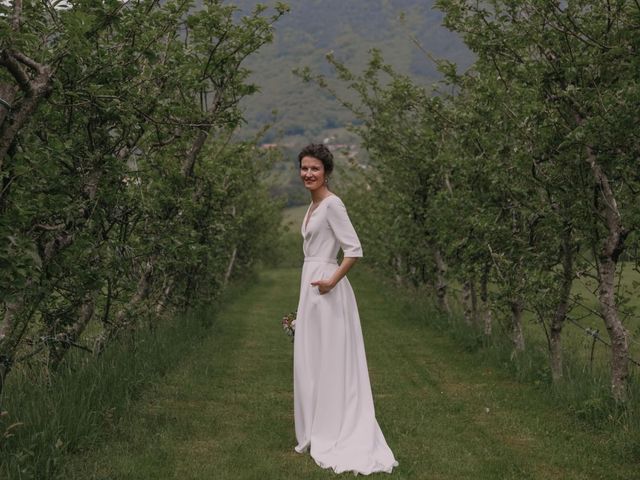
226	411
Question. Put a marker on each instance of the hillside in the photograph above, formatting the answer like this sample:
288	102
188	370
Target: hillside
349	29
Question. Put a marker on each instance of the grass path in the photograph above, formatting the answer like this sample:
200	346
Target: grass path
226	411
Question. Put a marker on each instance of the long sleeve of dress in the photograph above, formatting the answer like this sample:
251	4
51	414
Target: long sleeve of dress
342	228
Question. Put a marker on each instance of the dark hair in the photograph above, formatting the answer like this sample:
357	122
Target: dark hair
319	151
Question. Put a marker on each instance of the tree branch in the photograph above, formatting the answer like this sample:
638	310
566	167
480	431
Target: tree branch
17	14
8	60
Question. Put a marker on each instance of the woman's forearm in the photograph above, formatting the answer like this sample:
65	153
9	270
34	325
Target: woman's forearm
345	266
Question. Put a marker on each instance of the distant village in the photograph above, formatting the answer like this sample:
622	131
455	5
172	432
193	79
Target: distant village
346	149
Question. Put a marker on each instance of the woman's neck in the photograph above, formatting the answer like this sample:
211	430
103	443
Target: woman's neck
320	194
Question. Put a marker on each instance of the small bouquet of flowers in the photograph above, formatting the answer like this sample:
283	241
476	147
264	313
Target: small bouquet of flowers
289	324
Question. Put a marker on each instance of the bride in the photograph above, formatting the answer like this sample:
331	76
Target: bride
333	404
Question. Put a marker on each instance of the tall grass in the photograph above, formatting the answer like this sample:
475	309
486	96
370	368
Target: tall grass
53	414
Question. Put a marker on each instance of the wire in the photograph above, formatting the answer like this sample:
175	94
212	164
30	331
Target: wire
596	335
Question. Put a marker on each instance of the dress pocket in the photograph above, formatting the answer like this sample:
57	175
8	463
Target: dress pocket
321	276
325	275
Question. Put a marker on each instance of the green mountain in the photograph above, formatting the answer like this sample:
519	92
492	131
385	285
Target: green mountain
349	28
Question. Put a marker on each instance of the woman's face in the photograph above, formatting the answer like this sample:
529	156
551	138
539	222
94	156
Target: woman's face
312	173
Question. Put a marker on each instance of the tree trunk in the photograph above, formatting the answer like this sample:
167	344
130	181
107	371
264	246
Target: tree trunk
397	266
470	302
474	303
7	347
73	333
487	316
466	302
229	271
35	89
609	254
555	346
7	96
562	308
161	306
16	316
7	322
487	320
617	332
517	334
189	162
441	282
122	316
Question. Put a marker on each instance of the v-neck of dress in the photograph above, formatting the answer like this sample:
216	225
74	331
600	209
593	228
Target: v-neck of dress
309	214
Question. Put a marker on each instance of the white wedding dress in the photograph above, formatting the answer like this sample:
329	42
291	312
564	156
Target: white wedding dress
333	404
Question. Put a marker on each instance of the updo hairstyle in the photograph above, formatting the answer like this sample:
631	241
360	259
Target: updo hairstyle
319	151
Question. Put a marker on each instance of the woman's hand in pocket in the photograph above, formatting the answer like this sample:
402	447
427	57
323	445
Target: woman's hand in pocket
324	285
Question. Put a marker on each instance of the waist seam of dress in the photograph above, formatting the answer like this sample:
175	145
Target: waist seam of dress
321	260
